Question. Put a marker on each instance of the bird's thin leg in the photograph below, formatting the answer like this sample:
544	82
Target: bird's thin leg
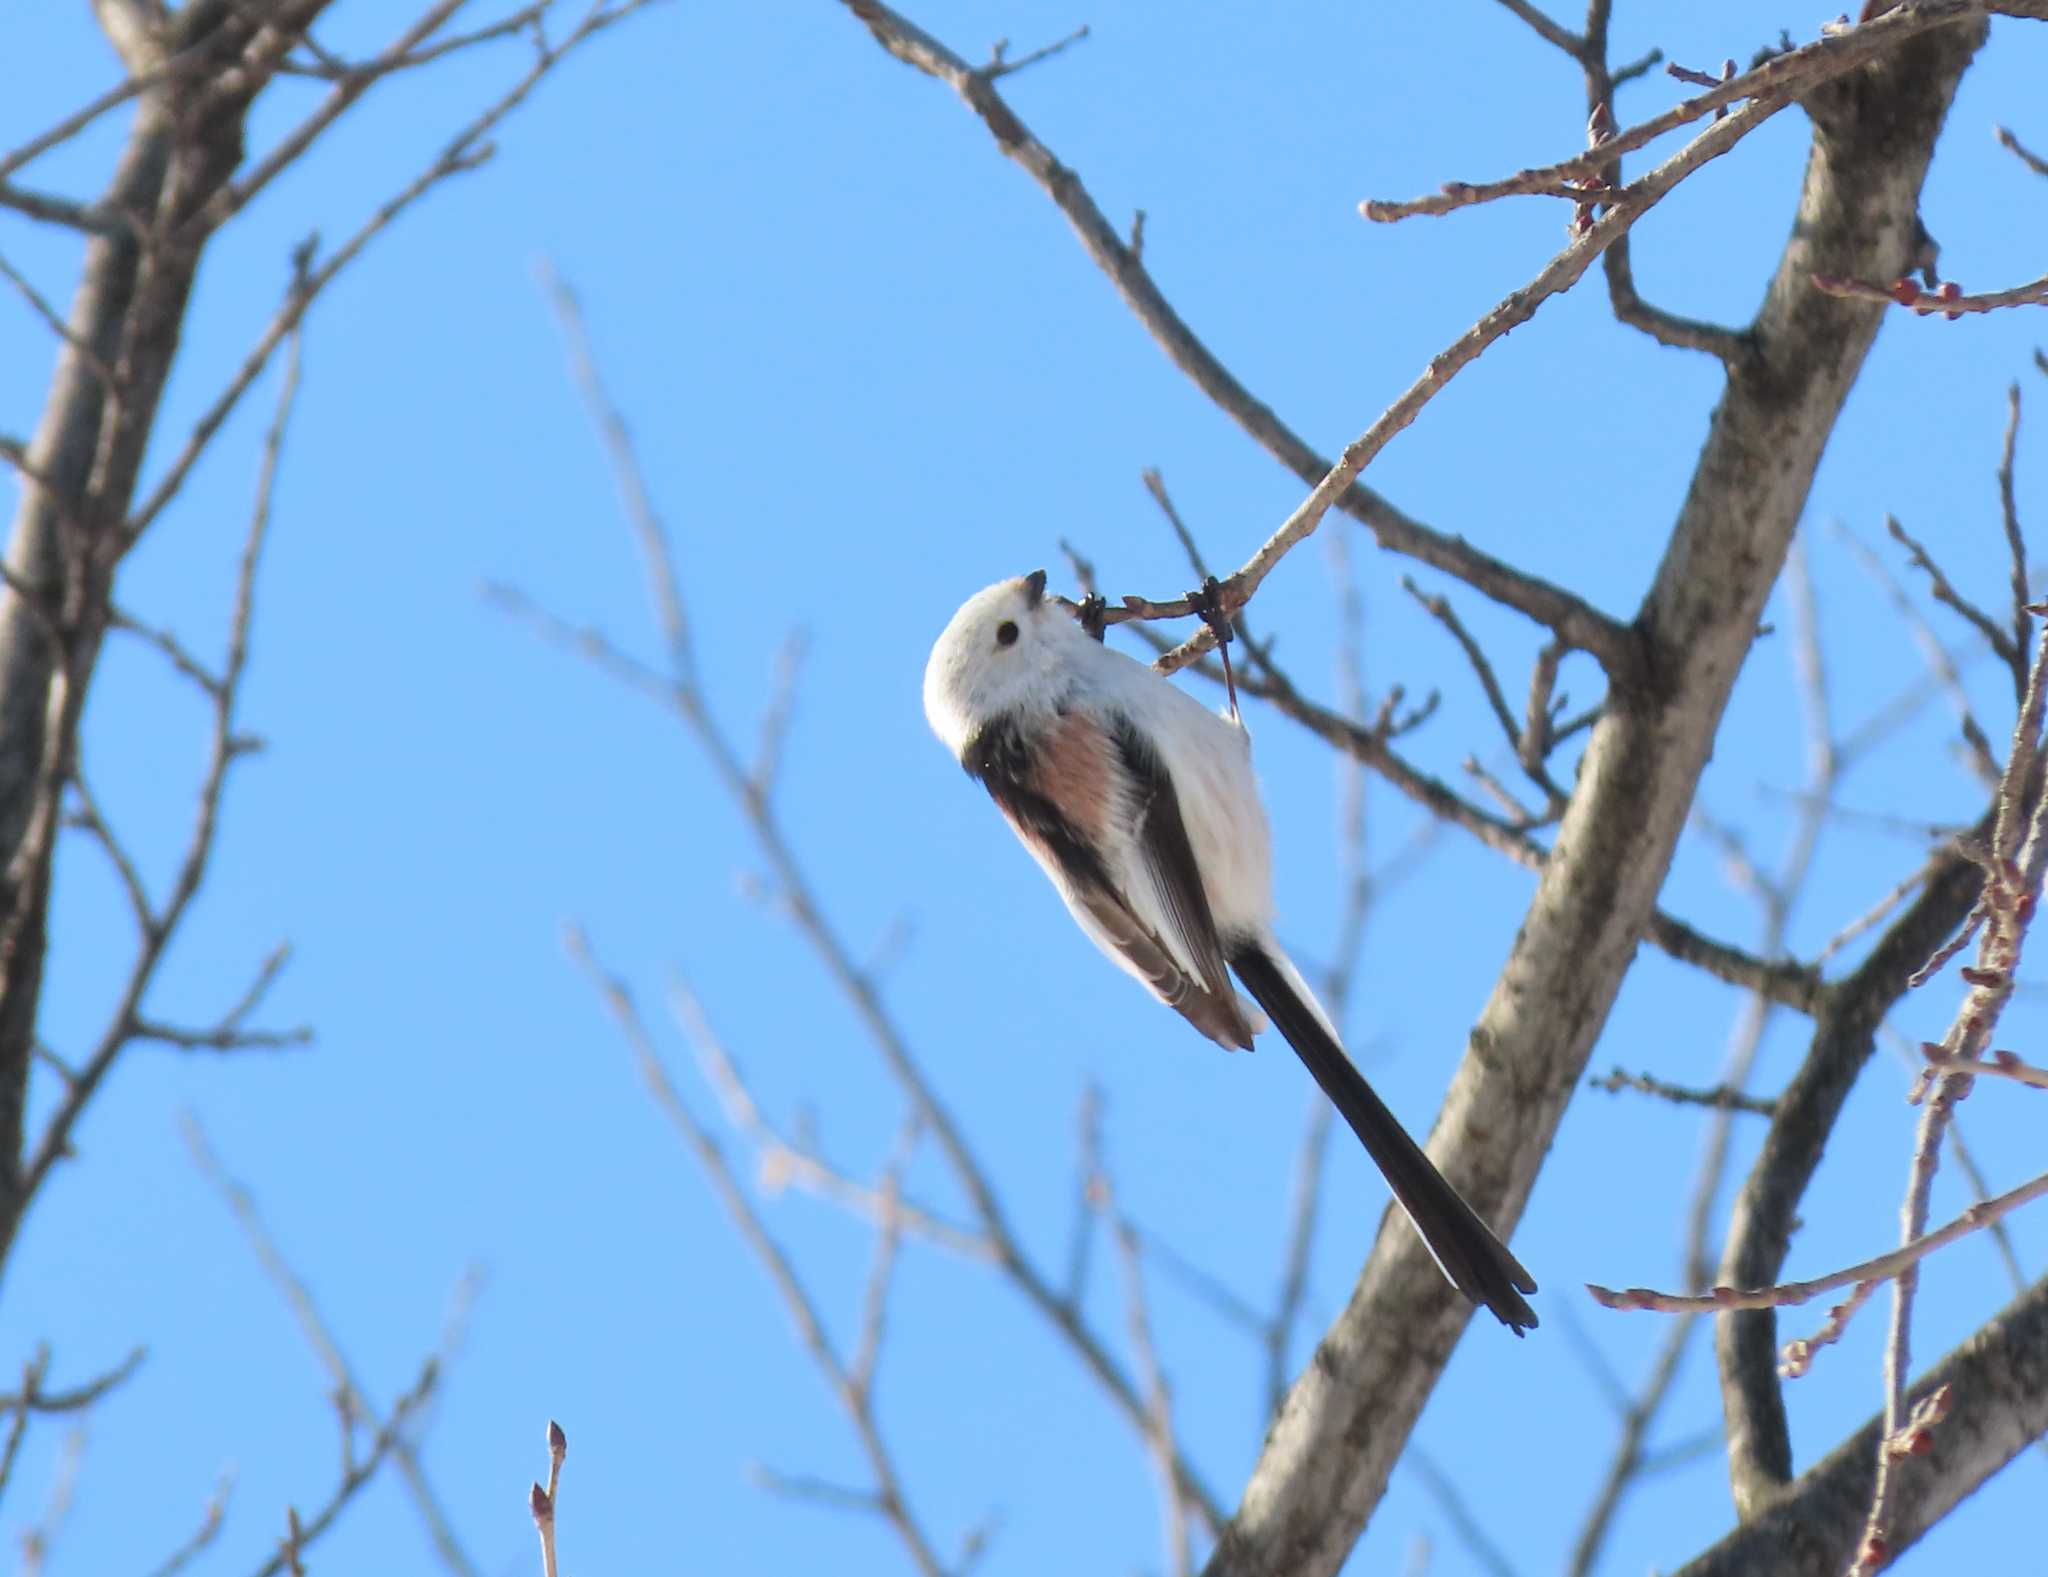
1209	603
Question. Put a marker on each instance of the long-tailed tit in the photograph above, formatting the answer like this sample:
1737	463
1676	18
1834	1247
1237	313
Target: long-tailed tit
1141	805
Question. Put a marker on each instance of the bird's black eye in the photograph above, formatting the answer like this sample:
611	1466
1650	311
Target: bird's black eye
1006	633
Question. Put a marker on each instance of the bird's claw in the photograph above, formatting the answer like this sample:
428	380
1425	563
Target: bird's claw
1208	603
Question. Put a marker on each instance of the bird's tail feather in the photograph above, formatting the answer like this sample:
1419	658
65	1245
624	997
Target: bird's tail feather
1470	1256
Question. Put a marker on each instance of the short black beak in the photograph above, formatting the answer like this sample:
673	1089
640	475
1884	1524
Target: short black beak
1034	584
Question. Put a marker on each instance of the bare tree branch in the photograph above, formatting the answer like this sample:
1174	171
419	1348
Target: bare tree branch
887	1498
1777	895
356	1476
1721	1098
541	1500
193	74
1160	1440
1324	1463
1547	30
1785	76
468	150
2012	654
2013	145
351	1398
212	1518
678	692
1765	1209
1879	1267
1949	300
158	923
1812	1527
1573	619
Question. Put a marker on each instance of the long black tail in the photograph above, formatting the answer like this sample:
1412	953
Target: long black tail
1474	1260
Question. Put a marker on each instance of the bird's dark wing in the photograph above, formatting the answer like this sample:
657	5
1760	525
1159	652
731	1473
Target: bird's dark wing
1168	859
1070	794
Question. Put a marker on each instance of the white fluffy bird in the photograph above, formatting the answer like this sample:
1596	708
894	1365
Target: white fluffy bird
1141	805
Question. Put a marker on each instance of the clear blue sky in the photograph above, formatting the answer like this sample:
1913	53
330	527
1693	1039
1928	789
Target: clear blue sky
869	371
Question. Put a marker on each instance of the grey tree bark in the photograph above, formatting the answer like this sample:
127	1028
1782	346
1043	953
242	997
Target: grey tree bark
1811	1526
1326	1461
205	65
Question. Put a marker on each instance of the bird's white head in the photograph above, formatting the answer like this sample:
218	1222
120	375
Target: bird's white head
1009	650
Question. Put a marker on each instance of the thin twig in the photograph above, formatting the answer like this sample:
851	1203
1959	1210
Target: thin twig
783	1161
1560	274
53	320
87	816
194	57
1155	484
172	649
1781	79
1571	617
1940	665
540	1501
1000	65
226	747
2018	860
212	1517
1950	300
1160	1440
1721	1098
467	150
350	1395
2009	511
1999	1065
1777	894
34	1398
888	1499
1550	32
328	68
292	146
1875	915
1797	1359
2013	655
656	556
1439	608
355	1476
1797	986
2013	145
1444	1490
1788	1294
676	690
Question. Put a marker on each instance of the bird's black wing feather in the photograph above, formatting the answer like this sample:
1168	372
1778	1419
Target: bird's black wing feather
1170	858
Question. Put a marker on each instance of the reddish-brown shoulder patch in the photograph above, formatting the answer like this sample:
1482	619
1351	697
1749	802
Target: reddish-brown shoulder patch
1074	768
